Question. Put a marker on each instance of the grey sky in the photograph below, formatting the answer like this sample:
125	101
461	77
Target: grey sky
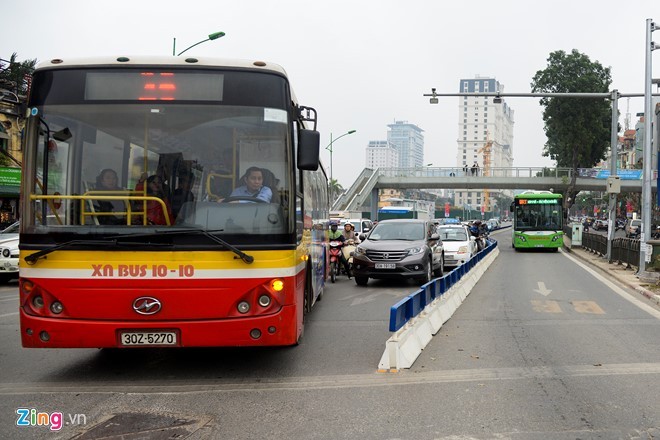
363	64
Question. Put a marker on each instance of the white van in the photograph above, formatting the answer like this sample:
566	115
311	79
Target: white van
632	227
362	225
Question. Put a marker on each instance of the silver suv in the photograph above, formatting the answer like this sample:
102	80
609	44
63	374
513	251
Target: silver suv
399	248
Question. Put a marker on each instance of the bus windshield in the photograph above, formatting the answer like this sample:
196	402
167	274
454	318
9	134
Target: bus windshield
538	214
118	153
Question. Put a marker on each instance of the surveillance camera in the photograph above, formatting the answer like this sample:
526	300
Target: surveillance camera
433	100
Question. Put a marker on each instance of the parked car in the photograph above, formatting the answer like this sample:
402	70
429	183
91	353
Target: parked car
399	248
600	225
633	227
10	231
459	245
8	257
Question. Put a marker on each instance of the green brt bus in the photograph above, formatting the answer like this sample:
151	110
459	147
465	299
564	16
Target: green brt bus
537	220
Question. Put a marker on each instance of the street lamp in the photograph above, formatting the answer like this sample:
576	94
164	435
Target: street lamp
645	251
213	36
329	147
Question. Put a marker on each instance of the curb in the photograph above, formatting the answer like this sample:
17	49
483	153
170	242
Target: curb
637	288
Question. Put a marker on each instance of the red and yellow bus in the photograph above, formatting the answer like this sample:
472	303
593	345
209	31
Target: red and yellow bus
97	269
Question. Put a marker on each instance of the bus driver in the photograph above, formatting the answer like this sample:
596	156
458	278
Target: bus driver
253	186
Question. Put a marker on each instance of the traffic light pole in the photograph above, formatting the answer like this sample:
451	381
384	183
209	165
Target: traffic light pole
614	141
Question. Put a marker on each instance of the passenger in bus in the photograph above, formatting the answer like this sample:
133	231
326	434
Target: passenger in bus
107	181
155	213
183	193
163	175
253	186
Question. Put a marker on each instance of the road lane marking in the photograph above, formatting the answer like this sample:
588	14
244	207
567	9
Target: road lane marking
618	290
547	306
542	289
305	383
589	307
8	314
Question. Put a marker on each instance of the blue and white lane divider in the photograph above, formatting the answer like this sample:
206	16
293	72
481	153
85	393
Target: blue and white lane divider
417	317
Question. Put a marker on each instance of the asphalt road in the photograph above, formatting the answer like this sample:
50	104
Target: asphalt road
540	349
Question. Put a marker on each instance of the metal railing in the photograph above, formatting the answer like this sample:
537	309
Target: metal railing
491	172
624	250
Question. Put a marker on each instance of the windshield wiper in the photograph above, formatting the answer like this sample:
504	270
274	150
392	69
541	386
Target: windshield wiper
32	258
242	255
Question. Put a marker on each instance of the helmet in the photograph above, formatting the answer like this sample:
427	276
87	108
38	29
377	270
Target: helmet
333	223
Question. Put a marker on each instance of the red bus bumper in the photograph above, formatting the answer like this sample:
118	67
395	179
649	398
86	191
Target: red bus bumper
274	329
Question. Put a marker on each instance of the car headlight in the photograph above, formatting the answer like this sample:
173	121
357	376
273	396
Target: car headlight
415	250
360	251
462	250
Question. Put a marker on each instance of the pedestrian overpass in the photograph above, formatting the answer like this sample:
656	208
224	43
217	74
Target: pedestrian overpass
363	194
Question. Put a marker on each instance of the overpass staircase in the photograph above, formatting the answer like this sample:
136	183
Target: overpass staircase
358	193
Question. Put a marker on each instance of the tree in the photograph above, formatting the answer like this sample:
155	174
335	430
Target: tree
335	190
15	76
577	129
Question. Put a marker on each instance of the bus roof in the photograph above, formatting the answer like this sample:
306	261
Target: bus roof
164	61
391	209
107	61
538	195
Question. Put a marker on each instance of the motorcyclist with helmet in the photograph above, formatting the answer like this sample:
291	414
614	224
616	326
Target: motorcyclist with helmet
349	232
476	231
337	235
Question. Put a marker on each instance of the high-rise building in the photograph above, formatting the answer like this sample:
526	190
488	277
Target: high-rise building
380	154
485	138
408	140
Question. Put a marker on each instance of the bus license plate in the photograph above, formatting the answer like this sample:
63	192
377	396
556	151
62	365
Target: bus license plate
148	338
385	265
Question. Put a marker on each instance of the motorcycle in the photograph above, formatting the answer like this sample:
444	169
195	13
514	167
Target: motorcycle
334	252
620	224
655	235
348	250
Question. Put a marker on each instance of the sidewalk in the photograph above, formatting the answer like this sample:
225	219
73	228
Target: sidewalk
624	276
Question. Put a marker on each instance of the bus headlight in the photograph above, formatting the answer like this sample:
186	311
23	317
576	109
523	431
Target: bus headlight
243	307
264	300
38	302
56	307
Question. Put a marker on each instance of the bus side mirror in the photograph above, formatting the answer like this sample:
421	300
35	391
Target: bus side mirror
308	149
511	207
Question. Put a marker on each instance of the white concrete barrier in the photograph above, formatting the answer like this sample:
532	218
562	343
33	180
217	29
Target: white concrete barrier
406	344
